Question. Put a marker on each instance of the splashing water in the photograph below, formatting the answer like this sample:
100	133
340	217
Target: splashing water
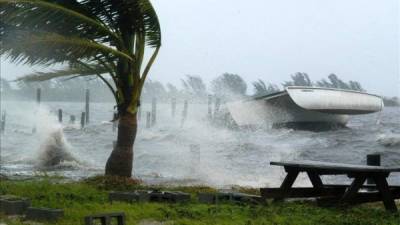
163	153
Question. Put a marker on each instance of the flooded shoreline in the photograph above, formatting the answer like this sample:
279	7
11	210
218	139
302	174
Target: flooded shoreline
164	153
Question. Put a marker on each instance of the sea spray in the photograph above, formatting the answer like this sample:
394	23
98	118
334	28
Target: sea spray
227	157
390	140
53	147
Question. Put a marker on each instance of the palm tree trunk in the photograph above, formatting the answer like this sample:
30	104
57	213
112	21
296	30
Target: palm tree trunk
120	162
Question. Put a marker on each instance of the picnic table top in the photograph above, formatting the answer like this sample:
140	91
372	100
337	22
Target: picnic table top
341	167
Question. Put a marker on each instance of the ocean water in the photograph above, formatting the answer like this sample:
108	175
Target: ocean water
196	152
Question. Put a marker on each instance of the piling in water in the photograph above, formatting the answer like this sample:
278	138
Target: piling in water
153	111
194	158
72	119
184	112
148	119
373	160
217	105
173	107
83	117
209	107
87	99
38	95
60	115
3	122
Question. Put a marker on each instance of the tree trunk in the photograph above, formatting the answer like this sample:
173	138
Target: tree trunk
120	162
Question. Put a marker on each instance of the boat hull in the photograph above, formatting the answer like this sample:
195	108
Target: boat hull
279	112
304	106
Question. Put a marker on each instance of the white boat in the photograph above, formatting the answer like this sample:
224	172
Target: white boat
304	105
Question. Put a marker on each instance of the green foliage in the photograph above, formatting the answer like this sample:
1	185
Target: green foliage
79	199
194	86
229	86
299	79
92	37
336	82
260	88
302	79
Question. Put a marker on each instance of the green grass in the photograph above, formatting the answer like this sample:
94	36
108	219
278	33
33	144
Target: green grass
79	199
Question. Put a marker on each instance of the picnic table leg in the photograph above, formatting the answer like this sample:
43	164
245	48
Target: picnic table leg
287	184
384	190
315	180
353	189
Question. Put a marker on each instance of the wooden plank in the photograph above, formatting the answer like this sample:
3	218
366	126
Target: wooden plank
315	180
353	189
269	193
361	197
387	197
391	187
334	167
287	184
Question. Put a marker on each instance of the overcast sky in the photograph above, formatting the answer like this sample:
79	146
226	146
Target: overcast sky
270	39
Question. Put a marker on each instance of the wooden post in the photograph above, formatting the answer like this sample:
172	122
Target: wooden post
60	115
217	105
87	99
173	107
3	122
115	123
148	119
209	107
38	95
72	119
195	158
153	111
373	160
83	118
184	112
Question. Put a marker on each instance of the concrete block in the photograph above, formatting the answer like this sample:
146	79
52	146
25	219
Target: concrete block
106	218
207	198
169	196
213	198
12	205
44	214
130	197
245	198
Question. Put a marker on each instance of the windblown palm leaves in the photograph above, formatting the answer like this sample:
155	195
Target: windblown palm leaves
89	36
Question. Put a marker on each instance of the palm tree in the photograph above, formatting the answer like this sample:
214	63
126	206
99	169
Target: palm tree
261	88
229	86
89	37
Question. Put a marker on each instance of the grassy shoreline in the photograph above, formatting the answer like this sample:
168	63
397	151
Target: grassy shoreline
81	198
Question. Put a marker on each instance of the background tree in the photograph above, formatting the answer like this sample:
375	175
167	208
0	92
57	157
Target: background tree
299	79
153	89
337	82
229	86
194	86
89	37
260	88
356	86
172	91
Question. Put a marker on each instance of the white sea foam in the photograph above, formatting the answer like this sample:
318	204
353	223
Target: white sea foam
162	153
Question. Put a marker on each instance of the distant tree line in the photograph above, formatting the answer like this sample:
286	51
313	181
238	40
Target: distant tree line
227	86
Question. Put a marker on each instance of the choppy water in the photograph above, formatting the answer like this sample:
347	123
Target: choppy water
162	153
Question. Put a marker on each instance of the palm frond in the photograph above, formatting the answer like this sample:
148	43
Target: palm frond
61	17
46	48
66	72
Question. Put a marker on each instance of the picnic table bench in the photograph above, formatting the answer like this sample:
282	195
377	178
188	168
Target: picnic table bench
338	194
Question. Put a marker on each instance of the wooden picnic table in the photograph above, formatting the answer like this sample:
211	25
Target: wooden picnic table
341	194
